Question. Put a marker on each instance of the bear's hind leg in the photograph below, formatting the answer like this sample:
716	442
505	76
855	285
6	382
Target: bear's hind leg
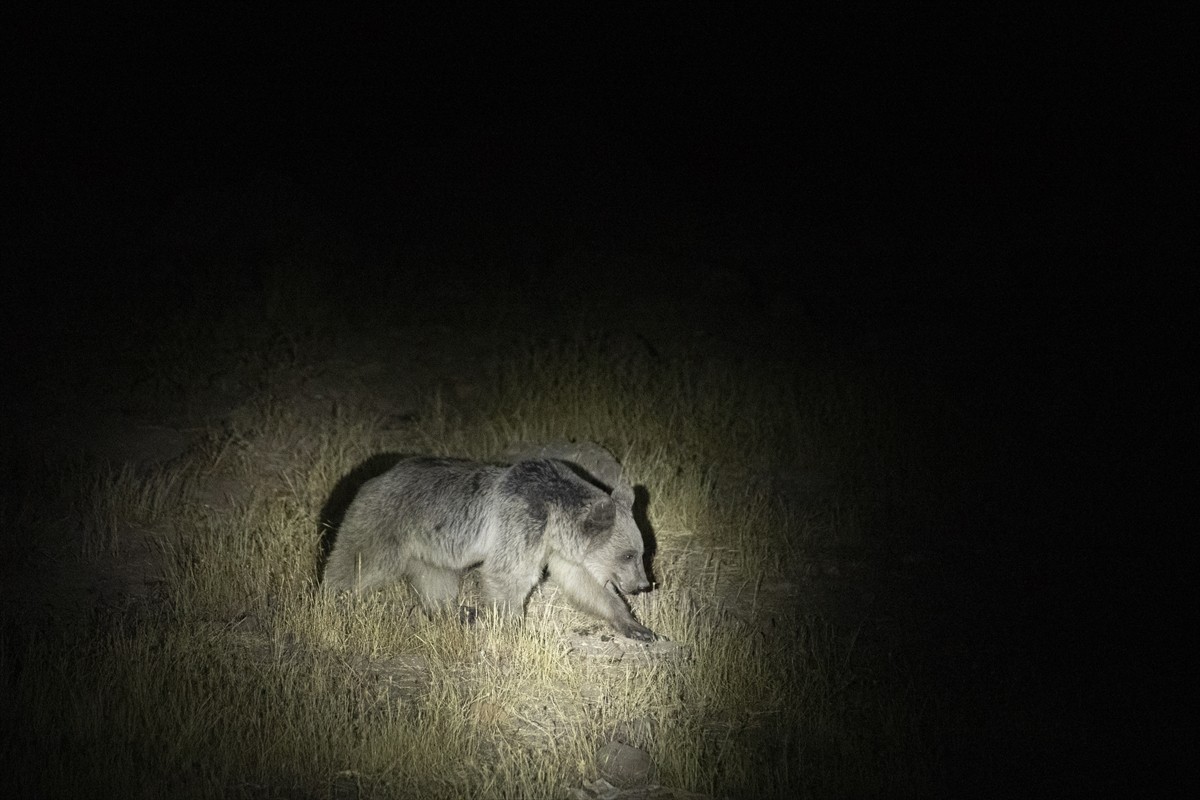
354	571
436	586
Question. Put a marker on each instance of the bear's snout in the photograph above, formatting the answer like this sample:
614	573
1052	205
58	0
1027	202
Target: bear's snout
640	585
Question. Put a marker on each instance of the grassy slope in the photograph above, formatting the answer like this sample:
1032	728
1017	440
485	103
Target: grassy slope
225	675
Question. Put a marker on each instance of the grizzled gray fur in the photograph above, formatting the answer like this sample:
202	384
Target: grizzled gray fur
431	519
597	463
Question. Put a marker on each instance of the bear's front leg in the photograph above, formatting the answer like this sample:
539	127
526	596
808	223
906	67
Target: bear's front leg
593	597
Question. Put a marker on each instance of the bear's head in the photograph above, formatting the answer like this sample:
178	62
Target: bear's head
615	550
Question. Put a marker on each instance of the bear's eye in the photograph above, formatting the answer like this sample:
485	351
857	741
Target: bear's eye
629	556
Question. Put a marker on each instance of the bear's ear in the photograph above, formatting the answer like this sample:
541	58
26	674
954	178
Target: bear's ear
623	494
599	517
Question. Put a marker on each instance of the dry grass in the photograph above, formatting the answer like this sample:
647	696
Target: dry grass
234	678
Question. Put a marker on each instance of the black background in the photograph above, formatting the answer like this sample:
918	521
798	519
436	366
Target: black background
998	196
1005	198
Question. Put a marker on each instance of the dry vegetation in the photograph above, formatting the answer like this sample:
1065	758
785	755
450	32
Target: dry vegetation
216	670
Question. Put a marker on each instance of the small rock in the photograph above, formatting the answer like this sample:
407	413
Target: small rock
347	785
592	694
624	765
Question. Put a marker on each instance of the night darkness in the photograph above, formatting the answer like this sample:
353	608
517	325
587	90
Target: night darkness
975	203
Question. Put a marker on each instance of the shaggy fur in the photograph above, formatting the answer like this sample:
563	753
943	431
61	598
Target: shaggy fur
431	519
